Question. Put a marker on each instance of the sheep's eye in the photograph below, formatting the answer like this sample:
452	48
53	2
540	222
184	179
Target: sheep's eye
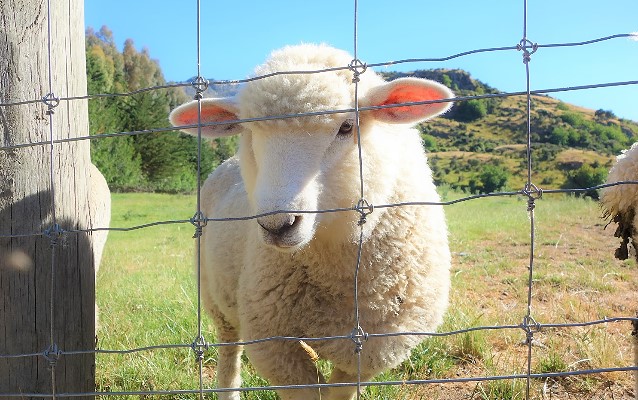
346	128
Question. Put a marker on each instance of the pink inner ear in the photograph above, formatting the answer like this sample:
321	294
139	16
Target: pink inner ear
210	113
410	94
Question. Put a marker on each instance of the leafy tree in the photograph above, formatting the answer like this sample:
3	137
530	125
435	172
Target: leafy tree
429	142
470	110
491	178
559	135
601	114
156	161
584	177
446	80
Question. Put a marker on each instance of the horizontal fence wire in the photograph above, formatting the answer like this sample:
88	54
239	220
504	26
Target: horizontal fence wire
531	192
414	382
536	193
317	71
310	114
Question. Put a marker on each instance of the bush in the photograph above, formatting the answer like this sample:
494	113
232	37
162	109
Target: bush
470	110
585	177
604	114
429	142
490	179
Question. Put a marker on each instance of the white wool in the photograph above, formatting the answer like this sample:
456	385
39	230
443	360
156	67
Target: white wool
100	203
619	201
292	274
100	210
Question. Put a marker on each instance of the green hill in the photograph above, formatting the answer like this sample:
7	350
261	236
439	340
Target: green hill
482	143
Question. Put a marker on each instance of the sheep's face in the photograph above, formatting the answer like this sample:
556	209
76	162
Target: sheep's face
286	171
297	165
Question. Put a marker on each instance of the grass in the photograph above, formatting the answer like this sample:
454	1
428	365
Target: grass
147	297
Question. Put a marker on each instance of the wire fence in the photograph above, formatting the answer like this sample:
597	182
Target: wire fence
528	325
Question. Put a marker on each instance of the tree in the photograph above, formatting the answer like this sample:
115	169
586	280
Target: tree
490	179
604	115
154	161
585	177
470	110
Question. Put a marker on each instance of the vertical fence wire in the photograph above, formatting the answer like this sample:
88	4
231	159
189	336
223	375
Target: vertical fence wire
198	219
357	332
50	101
530	208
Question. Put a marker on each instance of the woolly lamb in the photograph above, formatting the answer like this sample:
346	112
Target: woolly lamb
619	202
100	201
292	273
100	209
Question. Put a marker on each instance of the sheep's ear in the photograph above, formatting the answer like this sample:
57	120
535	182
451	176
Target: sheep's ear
407	90
212	110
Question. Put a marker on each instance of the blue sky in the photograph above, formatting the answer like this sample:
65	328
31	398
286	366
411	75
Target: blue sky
238	35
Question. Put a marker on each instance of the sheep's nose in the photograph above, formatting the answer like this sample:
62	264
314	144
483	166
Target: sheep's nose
279	224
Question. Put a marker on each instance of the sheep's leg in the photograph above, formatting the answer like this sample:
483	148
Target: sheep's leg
228	371
229	358
286	363
343	392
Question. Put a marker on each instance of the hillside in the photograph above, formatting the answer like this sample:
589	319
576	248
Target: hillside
481	144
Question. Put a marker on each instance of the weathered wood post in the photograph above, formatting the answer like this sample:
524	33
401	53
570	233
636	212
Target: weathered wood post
47	293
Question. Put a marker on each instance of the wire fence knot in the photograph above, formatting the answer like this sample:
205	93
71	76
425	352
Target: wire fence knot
199	221
358	336
525	45
365	209
200	84
51	102
357	67
530	326
54	233
533	193
199	346
52	354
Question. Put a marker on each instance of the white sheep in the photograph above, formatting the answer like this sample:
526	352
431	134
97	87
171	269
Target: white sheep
292	273
619	202
100	208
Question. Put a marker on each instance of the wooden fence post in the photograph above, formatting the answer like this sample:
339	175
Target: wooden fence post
47	281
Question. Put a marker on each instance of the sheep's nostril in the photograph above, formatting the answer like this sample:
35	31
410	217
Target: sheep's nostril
280	227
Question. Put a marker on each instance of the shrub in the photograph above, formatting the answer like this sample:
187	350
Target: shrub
585	177
490	179
429	142
470	110
562	106
604	114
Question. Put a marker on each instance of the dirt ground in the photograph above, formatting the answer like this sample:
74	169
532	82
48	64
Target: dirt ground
571	285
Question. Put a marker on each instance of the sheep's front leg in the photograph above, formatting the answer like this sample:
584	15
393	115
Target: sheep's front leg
228	370
343	392
286	363
229	357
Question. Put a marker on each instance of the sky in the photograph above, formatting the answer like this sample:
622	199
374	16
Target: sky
238	35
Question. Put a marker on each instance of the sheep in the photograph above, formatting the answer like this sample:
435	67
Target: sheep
100	210
292	273
619	206
100	203
619	202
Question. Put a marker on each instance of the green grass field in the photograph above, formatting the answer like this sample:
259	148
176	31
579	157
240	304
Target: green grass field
146	292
